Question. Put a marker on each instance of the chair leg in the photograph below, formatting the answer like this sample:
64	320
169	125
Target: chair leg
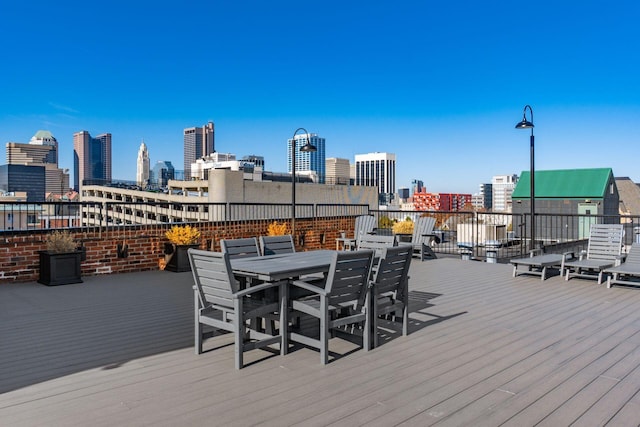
284	321
324	330
366	332
197	325
238	332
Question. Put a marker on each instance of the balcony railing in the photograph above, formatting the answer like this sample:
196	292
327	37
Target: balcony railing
103	226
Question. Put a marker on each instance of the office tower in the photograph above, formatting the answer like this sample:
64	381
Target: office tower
163	171
42	150
308	161
91	159
198	143
377	169
26	178
417	186
142	172
502	187
338	171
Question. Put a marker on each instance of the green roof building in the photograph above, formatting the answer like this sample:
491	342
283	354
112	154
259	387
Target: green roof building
580	196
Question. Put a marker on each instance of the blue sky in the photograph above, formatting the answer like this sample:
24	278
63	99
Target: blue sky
440	84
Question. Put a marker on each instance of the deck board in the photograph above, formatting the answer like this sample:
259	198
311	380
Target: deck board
484	349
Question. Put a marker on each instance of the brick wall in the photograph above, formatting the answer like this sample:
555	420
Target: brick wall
19	259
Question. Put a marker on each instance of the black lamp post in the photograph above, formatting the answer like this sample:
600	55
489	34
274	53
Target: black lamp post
525	124
307	148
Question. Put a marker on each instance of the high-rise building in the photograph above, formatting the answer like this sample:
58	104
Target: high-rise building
308	161
417	186
377	169
91	159
198	143
502	187
42	150
142	172
24	178
484	198
163	171
338	171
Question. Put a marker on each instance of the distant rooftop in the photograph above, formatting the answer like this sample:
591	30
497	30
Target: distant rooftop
565	183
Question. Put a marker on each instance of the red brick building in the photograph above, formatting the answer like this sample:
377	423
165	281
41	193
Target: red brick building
448	202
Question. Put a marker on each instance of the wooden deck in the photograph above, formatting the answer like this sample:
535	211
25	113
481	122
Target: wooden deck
485	349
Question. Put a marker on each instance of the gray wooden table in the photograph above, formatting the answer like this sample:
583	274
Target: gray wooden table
273	268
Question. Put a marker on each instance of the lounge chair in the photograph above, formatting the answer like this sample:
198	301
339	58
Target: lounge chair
365	224
423	237
623	273
603	251
220	303
538	264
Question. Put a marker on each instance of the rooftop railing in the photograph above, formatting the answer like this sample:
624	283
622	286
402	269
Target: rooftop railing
103	226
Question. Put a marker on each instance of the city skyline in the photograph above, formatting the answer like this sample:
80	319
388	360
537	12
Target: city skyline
440	85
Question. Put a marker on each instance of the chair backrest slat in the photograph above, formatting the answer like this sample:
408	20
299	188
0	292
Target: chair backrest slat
393	269
605	241
240	248
213	277
422	226
376	242
274	245
633	257
365	224
347	280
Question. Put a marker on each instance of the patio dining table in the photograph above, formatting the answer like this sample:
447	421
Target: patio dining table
273	268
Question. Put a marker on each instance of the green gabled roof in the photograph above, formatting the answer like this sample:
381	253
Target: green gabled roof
566	184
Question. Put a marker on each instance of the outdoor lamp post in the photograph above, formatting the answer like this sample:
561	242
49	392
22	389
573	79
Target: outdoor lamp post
525	124
307	148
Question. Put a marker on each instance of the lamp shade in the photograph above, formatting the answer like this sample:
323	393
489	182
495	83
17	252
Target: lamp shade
524	124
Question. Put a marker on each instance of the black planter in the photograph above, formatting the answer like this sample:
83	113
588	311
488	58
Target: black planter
60	268
179	260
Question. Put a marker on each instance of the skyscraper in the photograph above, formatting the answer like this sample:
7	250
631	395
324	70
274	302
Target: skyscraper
163	171
91	159
198	142
42	150
308	161
502	186
377	169
338	171
142	172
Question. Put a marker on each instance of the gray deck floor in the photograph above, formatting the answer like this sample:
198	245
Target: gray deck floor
485	349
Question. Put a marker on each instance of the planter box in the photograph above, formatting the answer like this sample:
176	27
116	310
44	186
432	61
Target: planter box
60	268
179	261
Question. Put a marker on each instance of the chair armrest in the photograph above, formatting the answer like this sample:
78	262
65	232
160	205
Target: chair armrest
252	289
309	287
568	256
534	252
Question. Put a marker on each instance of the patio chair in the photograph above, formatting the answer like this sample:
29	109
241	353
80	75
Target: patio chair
390	287
628	270
423	237
273	245
220	303
603	251
341	301
365	225
375	242
538	264
240	248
